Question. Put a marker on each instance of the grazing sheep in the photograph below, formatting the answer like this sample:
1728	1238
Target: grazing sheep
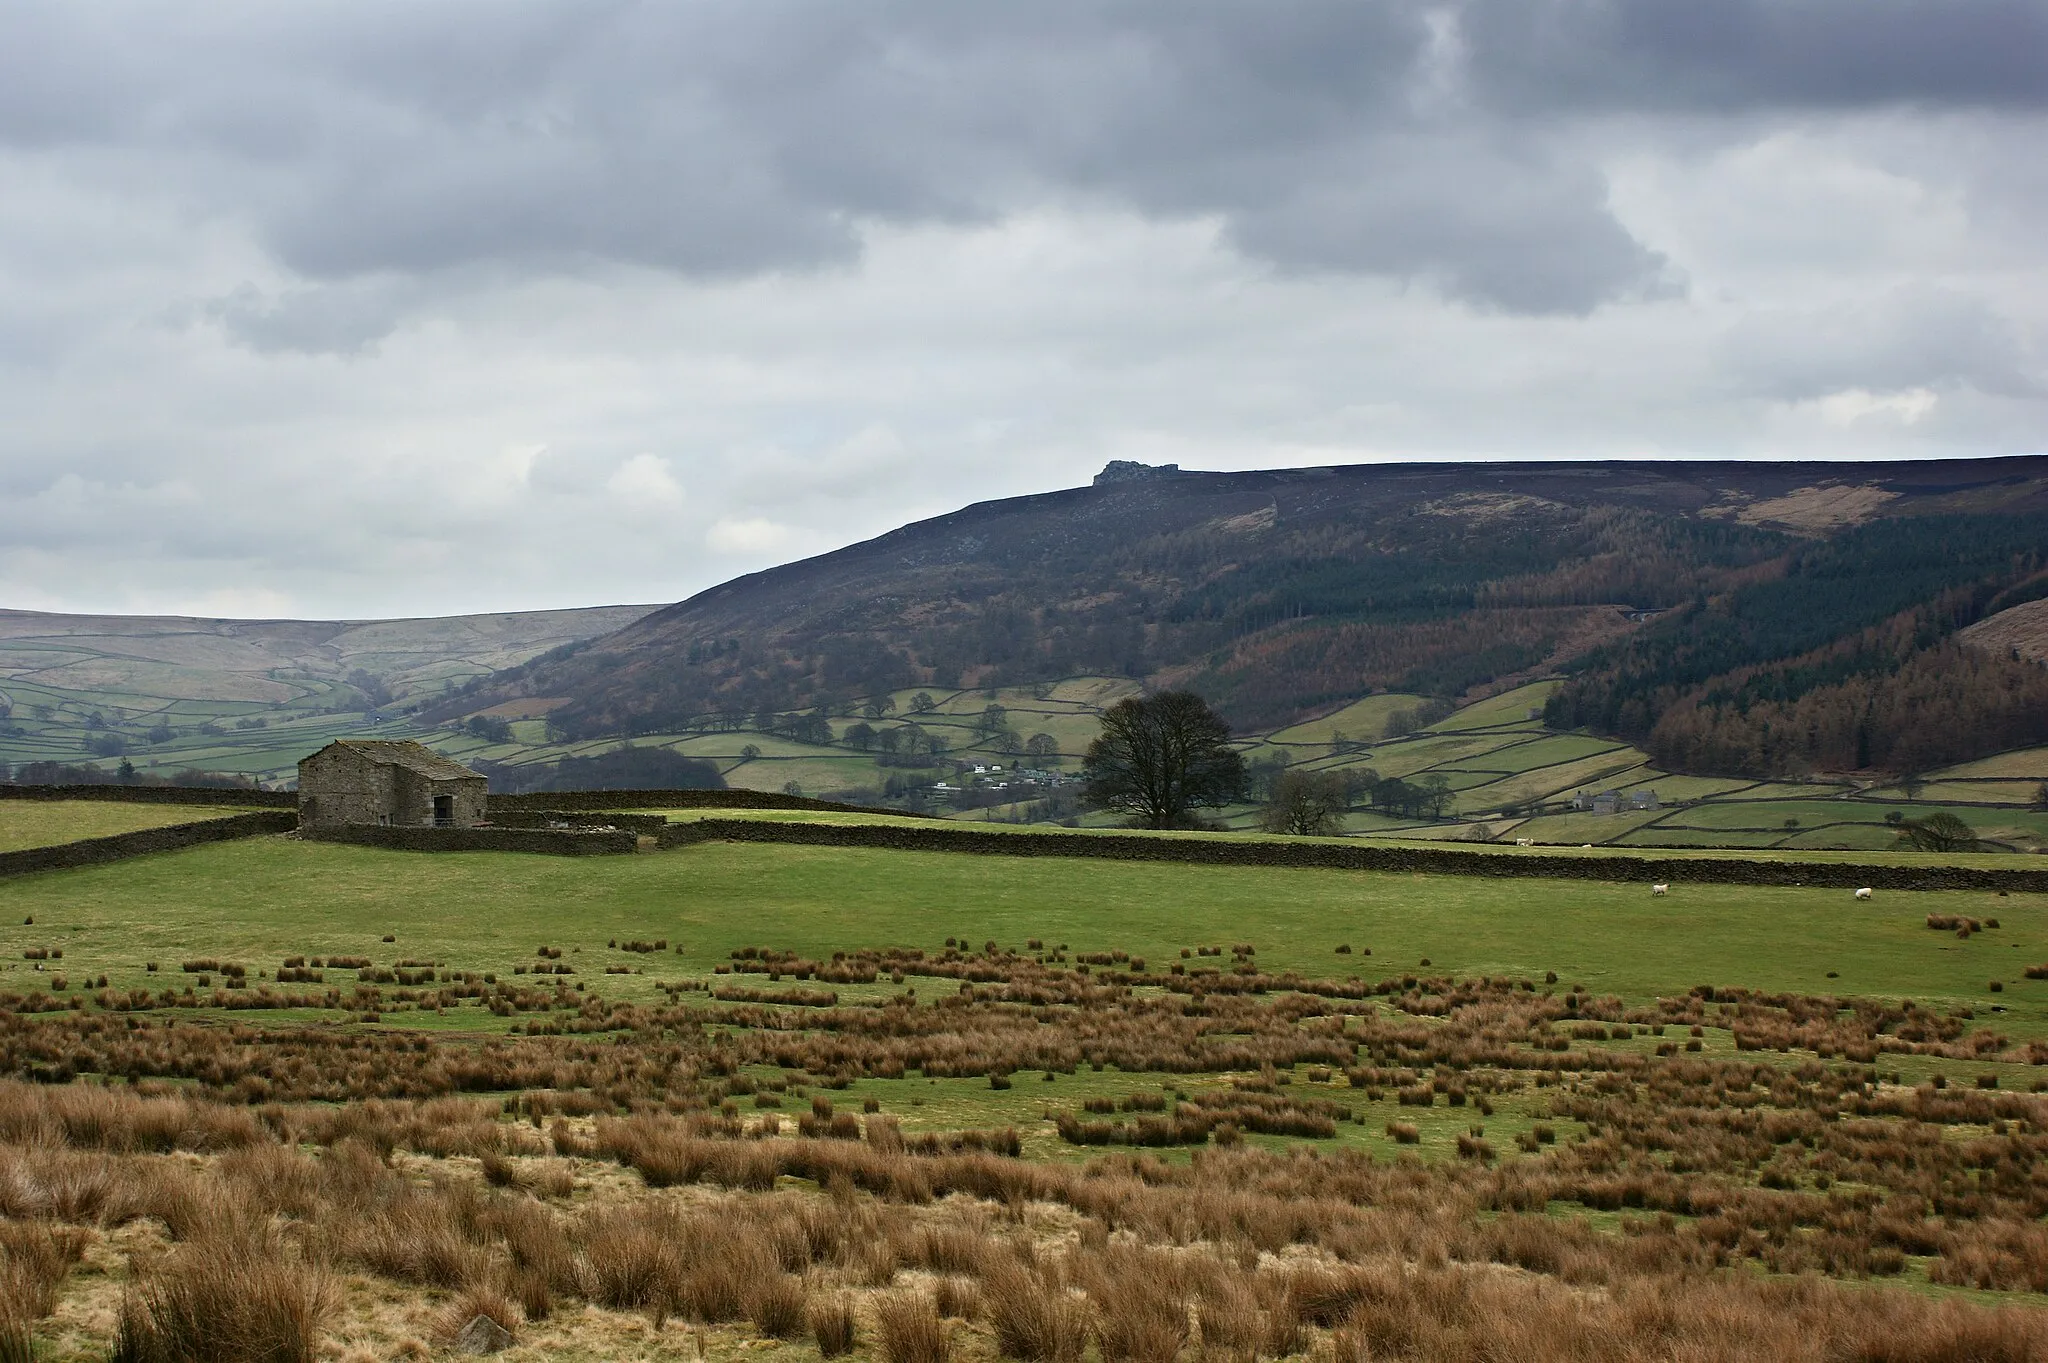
1863	893
1660	889
1525	842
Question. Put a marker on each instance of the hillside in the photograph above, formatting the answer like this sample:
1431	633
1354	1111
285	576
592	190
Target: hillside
1690	596
246	696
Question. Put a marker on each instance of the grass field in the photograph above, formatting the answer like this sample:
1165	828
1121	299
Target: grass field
273	897
45	823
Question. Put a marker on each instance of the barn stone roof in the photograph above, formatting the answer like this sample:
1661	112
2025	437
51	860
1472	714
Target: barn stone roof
414	757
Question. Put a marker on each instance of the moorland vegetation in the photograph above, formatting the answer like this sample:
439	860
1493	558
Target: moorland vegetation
735	1095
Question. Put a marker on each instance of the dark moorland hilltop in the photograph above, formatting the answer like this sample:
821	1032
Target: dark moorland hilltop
1739	617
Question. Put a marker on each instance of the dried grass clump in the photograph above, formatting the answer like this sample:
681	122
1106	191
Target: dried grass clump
17	1338
218	1303
831	1321
946	1249
1033	1316
911	1330
957	1298
632	1260
1141	1315
1231	1321
479	1300
708	1266
413	1237
776	1306
34	1261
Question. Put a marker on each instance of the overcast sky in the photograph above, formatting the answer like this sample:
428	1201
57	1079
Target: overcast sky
410	308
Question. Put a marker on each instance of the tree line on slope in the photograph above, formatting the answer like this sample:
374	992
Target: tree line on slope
1846	661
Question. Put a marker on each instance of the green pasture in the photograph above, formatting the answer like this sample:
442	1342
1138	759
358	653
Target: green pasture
1507	708
2022	763
1671	788
1999	791
1858	836
259	900
1858	824
45	823
1364	719
1711	844
1769	816
815	775
1580	828
1602	771
1529	751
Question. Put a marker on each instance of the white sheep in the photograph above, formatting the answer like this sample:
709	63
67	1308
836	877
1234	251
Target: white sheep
1863	893
1525	842
1660	889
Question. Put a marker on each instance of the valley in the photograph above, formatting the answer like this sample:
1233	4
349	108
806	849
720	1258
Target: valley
1629	654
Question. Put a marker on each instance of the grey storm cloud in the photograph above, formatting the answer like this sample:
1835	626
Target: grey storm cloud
1747	55
745	136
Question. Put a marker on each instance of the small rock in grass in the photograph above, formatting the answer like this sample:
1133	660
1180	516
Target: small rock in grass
483	1336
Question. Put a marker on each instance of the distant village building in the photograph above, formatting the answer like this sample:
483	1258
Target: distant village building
382	781
1613	801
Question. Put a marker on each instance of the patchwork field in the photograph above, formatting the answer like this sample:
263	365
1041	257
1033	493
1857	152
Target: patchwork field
1509	777
329	1102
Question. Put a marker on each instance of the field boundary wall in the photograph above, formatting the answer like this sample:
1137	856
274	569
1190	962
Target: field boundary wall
586	800
554	842
142	842
541	818
1328	856
155	795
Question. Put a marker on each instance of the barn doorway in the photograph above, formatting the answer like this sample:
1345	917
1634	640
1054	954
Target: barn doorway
444	811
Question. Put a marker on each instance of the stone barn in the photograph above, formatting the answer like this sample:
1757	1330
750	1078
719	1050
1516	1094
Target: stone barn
381	781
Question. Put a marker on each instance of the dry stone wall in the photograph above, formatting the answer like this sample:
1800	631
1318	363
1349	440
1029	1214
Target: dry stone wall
120	846
665	799
939	837
156	795
546	841
542	818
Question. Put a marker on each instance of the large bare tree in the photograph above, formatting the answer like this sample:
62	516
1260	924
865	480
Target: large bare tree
1159	758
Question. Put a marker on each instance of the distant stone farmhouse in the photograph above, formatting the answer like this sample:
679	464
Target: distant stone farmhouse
380	781
1614	801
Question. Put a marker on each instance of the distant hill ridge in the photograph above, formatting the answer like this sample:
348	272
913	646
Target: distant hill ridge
1741	616
272	661
177	695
